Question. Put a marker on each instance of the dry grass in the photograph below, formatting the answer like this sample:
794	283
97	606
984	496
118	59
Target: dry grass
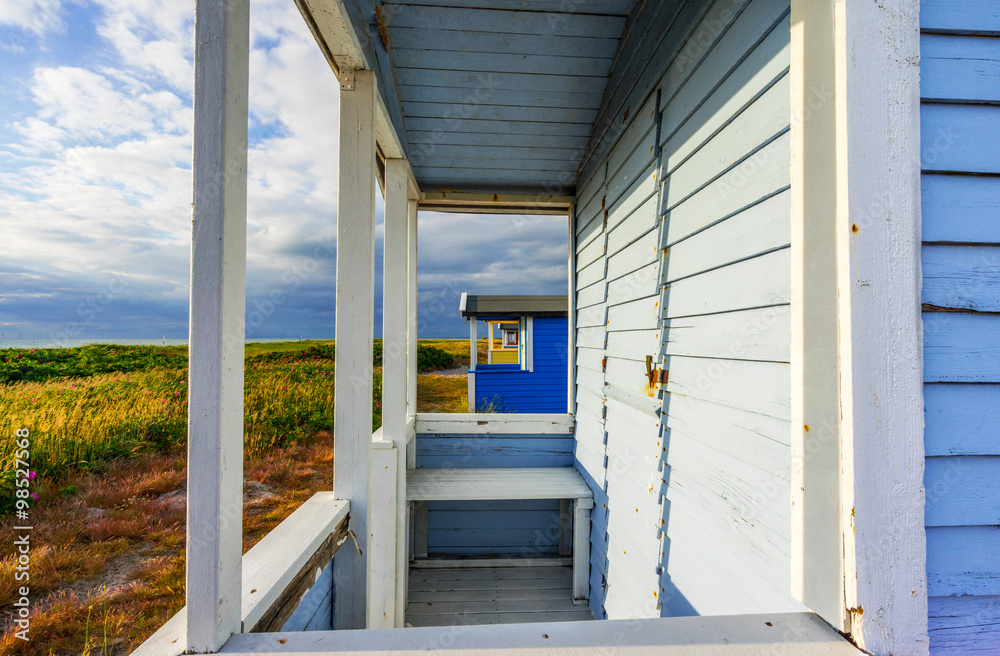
107	560
123	568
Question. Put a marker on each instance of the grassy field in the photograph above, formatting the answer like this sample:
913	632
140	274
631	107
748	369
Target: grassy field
108	427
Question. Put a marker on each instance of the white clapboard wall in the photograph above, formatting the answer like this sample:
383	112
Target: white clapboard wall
960	152
591	317
683	234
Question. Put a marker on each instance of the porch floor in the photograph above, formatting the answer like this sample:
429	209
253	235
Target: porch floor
454	596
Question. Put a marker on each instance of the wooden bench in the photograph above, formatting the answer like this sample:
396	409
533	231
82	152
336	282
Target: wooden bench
562	483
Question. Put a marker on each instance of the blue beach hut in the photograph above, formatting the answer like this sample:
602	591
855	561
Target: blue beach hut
526	366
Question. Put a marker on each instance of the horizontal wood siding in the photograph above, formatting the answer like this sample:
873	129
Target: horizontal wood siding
682	239
315	611
506	388
726	333
523	528
590	450
960	153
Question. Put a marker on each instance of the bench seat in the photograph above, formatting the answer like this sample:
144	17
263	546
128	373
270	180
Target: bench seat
496	484
563	483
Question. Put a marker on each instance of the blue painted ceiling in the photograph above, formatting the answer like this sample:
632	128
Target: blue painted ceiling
500	94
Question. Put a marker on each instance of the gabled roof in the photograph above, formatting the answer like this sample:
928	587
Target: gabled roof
513	306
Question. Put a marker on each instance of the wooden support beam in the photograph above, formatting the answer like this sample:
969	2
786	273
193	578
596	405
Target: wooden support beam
877	94
581	550
218	301
817	576
473	352
355	323
382	543
411	309
395	331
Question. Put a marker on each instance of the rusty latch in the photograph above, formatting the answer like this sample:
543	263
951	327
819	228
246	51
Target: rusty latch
656	376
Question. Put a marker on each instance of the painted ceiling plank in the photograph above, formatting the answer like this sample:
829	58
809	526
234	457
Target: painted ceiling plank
478	82
499	164
515	22
554	128
476	111
494	63
516	97
610	7
484	140
501	152
505	43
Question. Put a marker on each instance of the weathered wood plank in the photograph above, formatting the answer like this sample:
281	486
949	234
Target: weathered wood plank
960	17
971	570
760	334
762	387
701	104
962	420
955	68
487	62
961	626
758	229
277	567
760	176
461	41
217	310
494	424
961	348
511	22
961	138
758	282
961	277
960	208
962	491
691	166
610	7
631	228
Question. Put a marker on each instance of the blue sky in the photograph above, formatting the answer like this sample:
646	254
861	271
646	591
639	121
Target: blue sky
95	187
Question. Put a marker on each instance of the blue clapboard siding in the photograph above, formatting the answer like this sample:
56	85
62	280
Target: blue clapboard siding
544	389
960	132
315	611
682	238
521	528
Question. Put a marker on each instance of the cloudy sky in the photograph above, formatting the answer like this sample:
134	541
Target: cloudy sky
95	181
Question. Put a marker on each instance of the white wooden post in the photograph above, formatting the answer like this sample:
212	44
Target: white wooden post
571	316
489	343
394	379
218	302
581	550
473	348
817	554
881	341
857	393
383	497
411	311
355	322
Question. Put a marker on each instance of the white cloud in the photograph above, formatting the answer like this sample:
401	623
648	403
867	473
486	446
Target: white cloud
35	16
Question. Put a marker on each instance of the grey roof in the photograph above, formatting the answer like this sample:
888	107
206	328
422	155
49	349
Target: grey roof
514	306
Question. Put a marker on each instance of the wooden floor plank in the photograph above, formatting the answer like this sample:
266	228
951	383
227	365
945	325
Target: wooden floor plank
467	619
492	595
